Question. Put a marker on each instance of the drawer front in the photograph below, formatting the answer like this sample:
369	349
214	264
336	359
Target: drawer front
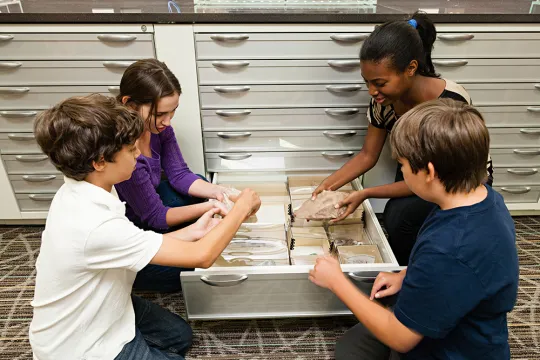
517	157
17	73
284	140
514	137
76	46
268	96
41	97
29	164
516	176
17	120
18	143
34	202
519	194
278	161
488	70
504	94
43	183
285	119
511	116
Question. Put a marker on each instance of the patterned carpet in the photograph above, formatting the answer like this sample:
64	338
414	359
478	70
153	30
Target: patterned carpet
256	339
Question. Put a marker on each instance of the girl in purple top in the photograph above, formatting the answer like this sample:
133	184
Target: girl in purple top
149	87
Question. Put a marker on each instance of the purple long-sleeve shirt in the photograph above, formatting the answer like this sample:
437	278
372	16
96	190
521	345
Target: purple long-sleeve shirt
143	203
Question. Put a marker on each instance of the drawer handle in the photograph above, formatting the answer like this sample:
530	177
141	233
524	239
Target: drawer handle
231	89
117	64
527	151
516	191
456	37
530	131
224	283
14	90
368	278
117	37
537	86
38	178
230	64
235	156
17	114
533	109
21	137
114	89
349	38
342	112
343	88
240	135
232	113
41	197
10	65
339	134
6	37
338	155
229	38
340	64
522	171
31	158
450	63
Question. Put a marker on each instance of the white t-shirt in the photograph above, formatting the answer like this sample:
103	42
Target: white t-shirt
90	254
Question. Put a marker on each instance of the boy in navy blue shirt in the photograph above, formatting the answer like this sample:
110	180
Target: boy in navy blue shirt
462	276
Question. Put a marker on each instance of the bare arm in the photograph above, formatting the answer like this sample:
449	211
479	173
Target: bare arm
394	190
182	214
206	190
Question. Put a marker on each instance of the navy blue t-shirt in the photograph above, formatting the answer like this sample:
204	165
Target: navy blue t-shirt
461	282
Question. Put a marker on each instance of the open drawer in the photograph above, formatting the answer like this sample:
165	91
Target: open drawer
279	291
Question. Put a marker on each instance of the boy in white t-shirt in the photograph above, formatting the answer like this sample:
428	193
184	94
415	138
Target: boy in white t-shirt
90	251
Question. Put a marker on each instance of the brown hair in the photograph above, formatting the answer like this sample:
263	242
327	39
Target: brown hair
145	82
451	135
80	130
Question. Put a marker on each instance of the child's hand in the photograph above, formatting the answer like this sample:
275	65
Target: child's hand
205	223
217	192
219	206
326	271
392	281
352	202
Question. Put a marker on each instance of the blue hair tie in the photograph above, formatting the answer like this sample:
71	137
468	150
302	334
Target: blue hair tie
413	23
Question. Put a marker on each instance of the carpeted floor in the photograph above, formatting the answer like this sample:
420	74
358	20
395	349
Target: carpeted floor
257	339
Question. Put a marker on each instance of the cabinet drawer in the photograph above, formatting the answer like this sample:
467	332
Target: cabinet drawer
511	116
488	70
42	97
284	140
18	143
516	176
29	164
504	94
514	137
517	157
16	46
285	119
519	194
275	96
36	183
17	120
34	202
278	161
17	73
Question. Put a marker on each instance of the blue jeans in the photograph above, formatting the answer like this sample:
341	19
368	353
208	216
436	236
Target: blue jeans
159	334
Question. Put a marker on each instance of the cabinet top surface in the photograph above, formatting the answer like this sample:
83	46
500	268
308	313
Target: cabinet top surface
265	11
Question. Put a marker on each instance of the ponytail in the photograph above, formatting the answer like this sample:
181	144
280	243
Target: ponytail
428	34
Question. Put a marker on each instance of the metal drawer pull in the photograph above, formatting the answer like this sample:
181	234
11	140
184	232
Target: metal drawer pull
6	37
516	191
31	158
340	155
233	135
117	37
342	112
343	88
10	65
231	89
114	89
530	131
232	113
349	38
229	38
537	86
365	277
41	197
117	64
230	64
533	109
38	178
17	114
456	37
344	63
450	63
527	151
235	156
224	283
21	137
14	90
522	171
339	134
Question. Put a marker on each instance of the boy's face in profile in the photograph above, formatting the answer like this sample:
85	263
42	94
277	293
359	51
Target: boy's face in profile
419	182
124	164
